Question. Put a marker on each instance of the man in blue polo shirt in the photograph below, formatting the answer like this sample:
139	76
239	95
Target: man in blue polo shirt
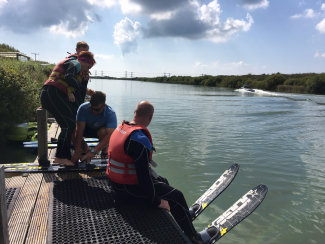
95	119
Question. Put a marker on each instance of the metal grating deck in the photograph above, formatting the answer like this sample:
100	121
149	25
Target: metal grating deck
88	211
11	196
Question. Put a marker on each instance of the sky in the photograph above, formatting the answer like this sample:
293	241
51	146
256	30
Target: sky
149	38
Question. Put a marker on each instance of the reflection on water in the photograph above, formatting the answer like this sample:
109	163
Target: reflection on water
278	139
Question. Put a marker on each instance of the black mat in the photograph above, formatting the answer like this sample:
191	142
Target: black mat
88	211
11	196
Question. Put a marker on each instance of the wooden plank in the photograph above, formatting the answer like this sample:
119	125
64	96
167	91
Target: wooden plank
7	180
53	132
17	181
38	226
42	135
4	234
23	209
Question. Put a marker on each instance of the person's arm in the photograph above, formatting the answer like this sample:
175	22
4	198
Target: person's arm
71	71
140	152
80	128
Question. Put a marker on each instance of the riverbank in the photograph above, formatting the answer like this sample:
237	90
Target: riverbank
307	83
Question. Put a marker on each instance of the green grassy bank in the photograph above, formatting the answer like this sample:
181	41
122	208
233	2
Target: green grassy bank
297	83
20	86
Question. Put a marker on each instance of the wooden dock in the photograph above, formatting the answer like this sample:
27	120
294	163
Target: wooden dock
29	216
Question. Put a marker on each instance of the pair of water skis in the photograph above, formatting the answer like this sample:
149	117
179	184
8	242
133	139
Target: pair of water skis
218	228
94	165
33	145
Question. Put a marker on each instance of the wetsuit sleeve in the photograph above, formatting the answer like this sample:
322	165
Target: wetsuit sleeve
138	147
71	71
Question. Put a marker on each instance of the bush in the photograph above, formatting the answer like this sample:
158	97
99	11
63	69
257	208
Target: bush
296	81
271	82
231	82
316	84
20	86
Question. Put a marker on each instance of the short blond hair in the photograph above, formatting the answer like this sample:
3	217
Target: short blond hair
82	44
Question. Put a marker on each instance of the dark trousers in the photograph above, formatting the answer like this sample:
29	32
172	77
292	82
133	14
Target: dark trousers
175	198
57	103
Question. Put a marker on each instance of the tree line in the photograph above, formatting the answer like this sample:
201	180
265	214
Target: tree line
299	83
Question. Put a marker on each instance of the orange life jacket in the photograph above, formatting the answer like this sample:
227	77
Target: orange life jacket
121	167
56	78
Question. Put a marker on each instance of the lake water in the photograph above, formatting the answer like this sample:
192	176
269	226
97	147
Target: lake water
277	139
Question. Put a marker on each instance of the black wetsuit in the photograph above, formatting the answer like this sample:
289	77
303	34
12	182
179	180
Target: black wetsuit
149	188
64	111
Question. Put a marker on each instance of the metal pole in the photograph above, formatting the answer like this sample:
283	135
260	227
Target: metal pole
42	137
4	234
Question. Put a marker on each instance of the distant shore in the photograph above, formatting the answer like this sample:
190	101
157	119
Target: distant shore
306	83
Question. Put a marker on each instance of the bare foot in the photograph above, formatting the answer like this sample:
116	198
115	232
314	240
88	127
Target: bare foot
63	161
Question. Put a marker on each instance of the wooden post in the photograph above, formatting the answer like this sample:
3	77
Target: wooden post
42	135
4	234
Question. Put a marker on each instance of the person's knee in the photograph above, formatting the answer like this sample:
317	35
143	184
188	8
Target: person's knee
102	132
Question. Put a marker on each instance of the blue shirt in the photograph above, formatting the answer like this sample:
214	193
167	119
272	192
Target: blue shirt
106	118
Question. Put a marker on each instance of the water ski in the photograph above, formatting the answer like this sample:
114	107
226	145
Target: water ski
55	141
214	191
55	168
35	164
234	215
54	145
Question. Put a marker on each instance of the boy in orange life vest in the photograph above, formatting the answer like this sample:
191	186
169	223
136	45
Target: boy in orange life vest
130	152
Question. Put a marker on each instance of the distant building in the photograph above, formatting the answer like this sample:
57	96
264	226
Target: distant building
16	55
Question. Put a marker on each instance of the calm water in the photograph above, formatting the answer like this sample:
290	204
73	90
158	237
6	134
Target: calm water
278	139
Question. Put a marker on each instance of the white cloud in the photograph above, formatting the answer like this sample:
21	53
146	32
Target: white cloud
323	7
103	3
321	26
198	65
128	7
256	4
316	55
302	3
217	66
308	13
162	16
227	29
63	28
103	56
3	3
210	13
126	35
234	65
193	21
264	67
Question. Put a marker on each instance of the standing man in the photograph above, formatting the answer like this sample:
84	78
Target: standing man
130	153
95	119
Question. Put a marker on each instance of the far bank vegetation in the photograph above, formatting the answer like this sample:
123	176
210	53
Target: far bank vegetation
297	83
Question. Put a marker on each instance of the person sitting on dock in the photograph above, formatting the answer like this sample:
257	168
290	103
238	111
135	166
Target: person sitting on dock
57	96
130	155
95	119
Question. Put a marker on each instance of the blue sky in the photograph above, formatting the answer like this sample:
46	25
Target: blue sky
176	37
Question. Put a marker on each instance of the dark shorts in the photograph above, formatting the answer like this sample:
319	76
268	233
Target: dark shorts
90	132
